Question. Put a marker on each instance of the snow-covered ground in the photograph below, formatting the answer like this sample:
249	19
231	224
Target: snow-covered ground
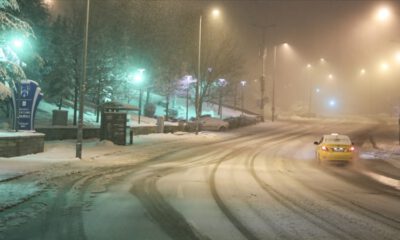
24	177
59	159
382	146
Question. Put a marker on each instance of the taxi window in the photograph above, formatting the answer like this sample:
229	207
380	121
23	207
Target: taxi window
337	140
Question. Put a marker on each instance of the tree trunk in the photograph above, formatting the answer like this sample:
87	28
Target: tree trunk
200	105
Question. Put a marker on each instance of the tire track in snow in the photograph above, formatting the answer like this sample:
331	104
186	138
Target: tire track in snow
220	202
296	207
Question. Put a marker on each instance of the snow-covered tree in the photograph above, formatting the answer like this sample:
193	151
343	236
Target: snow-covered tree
58	79
37	14
10	65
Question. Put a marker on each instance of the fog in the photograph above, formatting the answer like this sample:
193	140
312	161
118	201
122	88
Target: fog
347	34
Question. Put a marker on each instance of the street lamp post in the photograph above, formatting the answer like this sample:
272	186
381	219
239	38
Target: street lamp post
140	104
187	97
263	68
274	80
82	86
243	83
198	79
216	13
309	89
273	86
221	83
138	78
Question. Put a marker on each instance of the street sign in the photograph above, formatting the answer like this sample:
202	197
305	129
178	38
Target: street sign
26	97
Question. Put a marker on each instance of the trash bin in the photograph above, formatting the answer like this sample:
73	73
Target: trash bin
60	117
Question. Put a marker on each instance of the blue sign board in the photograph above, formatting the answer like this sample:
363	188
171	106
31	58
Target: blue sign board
26	97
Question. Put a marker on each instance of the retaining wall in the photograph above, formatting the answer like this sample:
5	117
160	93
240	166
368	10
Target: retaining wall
17	144
61	133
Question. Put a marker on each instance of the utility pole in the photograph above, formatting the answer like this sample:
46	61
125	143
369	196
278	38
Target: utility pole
82	86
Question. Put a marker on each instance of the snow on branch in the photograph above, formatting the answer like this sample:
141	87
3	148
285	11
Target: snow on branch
9	4
9	23
4	91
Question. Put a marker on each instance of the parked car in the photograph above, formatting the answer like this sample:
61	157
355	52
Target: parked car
213	124
334	148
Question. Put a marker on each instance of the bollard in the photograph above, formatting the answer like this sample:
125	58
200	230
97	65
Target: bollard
160	124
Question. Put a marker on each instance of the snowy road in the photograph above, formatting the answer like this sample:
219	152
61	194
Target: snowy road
260	182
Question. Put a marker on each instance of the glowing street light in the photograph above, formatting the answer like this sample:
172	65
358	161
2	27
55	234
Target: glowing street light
138	76
383	14
17	43
322	60
384	67
215	13
309	66
330	76
362	72
397	57
332	103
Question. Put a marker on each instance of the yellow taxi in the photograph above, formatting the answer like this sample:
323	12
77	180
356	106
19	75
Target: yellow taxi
335	148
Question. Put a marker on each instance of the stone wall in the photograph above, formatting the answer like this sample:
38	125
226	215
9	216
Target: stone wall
11	146
62	133
153	129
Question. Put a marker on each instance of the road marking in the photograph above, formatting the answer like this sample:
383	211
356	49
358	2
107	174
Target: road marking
383	179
